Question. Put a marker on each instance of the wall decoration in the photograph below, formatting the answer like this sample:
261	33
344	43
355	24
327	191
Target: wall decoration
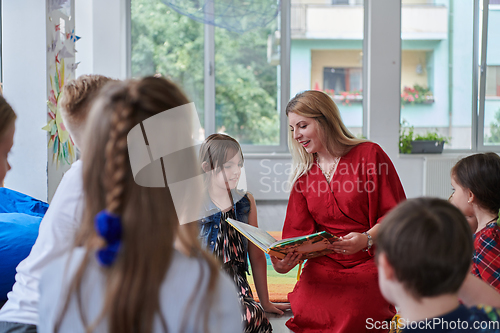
61	39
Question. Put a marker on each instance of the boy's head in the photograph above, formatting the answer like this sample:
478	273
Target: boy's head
75	102
424	246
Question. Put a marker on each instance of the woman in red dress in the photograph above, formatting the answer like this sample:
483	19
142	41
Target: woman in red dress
345	186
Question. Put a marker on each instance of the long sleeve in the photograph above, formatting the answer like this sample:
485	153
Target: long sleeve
383	186
298	220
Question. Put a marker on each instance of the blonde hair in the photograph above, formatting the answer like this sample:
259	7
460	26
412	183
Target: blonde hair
7	116
77	95
333	133
148	216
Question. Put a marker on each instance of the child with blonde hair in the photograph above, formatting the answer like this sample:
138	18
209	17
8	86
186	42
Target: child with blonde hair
222	161
62	219
126	275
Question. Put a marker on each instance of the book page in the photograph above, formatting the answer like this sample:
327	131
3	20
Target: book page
309	246
257	236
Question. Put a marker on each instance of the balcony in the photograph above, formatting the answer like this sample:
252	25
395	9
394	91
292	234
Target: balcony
320	21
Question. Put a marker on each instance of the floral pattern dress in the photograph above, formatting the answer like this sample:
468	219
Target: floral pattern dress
231	252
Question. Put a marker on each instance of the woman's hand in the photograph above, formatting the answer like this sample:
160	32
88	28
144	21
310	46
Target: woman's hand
277	308
286	264
350	243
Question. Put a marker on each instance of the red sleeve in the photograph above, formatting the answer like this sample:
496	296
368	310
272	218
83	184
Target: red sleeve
383	185
298	220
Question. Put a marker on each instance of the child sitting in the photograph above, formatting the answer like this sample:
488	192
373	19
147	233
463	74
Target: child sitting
476	183
424	251
222	161
63	218
126	276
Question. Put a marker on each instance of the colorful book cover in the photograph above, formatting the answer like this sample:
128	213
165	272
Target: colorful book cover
310	246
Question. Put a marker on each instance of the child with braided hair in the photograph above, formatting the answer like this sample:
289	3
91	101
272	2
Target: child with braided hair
126	275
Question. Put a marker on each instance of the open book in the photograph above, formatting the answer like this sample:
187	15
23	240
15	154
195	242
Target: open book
310	246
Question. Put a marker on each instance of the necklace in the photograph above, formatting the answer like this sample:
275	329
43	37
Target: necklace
328	174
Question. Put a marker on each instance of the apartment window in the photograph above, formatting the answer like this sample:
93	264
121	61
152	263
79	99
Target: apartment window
342	79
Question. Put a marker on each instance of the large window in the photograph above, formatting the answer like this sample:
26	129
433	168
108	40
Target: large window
232	77
436	69
444	63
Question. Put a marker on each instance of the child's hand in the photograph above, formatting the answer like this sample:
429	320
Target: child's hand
277	308
286	264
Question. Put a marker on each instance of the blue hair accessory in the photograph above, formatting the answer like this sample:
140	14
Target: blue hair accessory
109	227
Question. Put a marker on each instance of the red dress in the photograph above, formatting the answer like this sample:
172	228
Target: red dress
339	293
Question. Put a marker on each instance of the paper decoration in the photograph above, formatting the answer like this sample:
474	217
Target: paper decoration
60	141
71	36
61	67
72	67
56	5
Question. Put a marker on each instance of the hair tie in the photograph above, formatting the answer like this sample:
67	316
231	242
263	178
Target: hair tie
109	227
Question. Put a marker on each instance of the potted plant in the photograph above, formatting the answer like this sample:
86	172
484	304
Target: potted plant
430	143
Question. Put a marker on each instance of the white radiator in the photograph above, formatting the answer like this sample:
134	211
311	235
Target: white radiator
437	180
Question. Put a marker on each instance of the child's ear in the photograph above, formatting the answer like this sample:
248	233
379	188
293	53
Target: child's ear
385	267
470	196
205	167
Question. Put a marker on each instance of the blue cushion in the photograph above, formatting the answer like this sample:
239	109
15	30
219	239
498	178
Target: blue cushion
18	233
20	217
15	202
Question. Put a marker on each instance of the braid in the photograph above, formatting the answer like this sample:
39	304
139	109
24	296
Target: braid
115	169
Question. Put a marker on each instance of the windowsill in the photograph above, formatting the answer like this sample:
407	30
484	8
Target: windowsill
443	155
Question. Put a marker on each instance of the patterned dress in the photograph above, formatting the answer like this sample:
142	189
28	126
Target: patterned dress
231	252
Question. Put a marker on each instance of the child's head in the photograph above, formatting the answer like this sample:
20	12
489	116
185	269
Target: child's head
476	181
220	152
76	100
424	246
7	128
148	215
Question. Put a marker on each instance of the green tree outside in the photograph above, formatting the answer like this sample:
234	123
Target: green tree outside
494	137
167	43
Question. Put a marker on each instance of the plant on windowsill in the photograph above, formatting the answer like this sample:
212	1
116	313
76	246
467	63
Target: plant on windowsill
430	143
417	95
345	97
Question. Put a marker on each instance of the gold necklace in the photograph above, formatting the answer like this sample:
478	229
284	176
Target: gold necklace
329	173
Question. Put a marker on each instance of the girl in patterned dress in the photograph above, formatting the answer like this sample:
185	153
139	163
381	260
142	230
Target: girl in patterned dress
222	162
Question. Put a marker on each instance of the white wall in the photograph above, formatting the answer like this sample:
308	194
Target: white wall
25	79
